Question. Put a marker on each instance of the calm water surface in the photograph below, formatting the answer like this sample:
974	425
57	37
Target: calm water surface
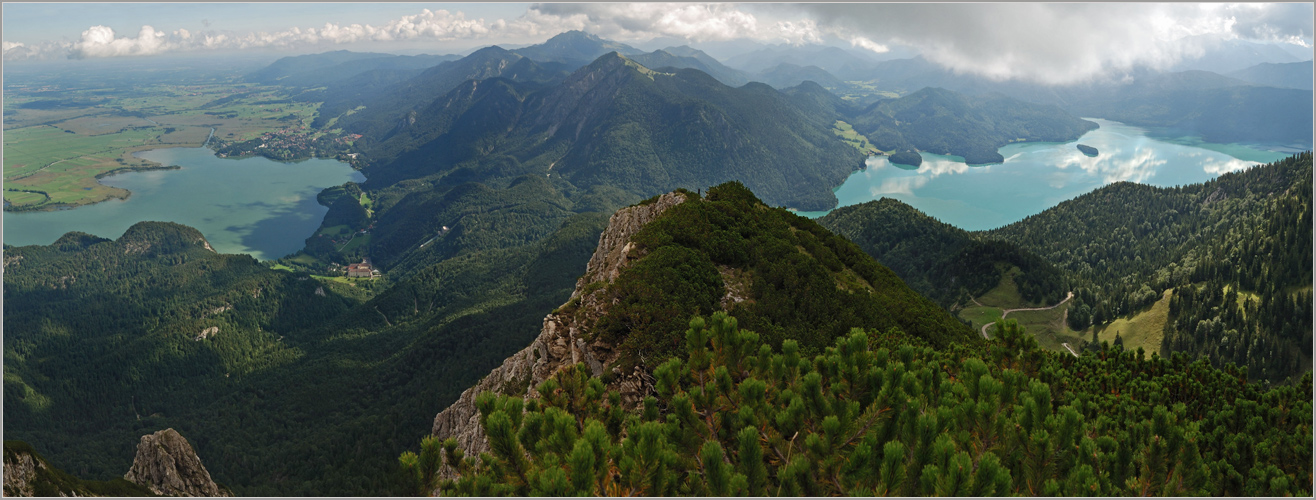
1038	176
252	205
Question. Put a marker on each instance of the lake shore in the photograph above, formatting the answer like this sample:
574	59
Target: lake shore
1038	176
256	206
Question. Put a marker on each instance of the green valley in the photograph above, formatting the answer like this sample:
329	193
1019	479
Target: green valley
58	142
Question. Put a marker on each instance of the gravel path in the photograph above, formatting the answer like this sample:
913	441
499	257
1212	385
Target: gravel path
1008	311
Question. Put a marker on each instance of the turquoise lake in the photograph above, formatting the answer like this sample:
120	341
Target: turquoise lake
1038	176
253	205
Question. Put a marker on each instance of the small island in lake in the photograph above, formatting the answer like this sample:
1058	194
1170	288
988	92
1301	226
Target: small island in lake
907	158
1087	150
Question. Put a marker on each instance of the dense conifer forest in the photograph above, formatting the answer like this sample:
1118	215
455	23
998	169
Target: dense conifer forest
883	413
1235	250
940	261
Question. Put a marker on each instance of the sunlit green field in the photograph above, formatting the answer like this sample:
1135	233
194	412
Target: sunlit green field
848	134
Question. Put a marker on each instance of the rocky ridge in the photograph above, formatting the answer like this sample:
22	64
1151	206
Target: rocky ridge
20	471
167	465
562	341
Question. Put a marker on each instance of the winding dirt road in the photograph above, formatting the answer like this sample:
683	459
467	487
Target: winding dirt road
1008	311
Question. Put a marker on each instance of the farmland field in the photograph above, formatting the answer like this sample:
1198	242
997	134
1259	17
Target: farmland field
57	143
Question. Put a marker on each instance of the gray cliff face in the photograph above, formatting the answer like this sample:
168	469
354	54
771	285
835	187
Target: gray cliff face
562	341
20	473
167	465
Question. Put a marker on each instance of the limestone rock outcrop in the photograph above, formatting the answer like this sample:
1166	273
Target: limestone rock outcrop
27	474
564	338
20	471
167	465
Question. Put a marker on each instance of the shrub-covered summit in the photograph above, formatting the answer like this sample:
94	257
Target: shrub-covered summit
881	414
783	275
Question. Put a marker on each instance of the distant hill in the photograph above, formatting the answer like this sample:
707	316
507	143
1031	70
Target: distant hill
694	59
789	75
945	122
1222	114
316	70
844	64
1296	75
1195	102
575	49
384	111
1226	56
810	95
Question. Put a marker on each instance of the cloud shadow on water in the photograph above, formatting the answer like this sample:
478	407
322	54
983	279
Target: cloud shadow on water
270	236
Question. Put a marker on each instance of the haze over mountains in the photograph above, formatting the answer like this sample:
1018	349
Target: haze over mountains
496	179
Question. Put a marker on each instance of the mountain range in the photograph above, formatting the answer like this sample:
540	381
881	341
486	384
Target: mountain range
590	275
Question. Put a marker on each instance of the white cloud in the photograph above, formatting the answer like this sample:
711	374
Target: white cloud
99	41
441	25
1217	166
865	43
18	51
899	185
1045	43
1058	43
693	22
1113	166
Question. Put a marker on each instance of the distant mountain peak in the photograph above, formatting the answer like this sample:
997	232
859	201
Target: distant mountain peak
573	35
492	49
574	47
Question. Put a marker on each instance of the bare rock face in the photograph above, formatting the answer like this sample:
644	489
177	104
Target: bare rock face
20	473
564	340
167	465
27	474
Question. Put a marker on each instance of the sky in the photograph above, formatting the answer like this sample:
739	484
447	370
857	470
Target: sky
1056	43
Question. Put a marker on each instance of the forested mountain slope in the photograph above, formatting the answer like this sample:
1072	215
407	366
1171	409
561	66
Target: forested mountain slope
940	261
945	122
619	125
286	396
694	59
1248	231
125	332
1235	252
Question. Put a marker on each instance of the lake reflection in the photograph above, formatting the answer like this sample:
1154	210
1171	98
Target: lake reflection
1038	176
253	205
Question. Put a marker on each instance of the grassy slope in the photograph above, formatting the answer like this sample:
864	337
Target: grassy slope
1145	329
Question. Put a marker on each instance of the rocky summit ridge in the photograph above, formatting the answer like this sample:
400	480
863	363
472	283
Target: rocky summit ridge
562	341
